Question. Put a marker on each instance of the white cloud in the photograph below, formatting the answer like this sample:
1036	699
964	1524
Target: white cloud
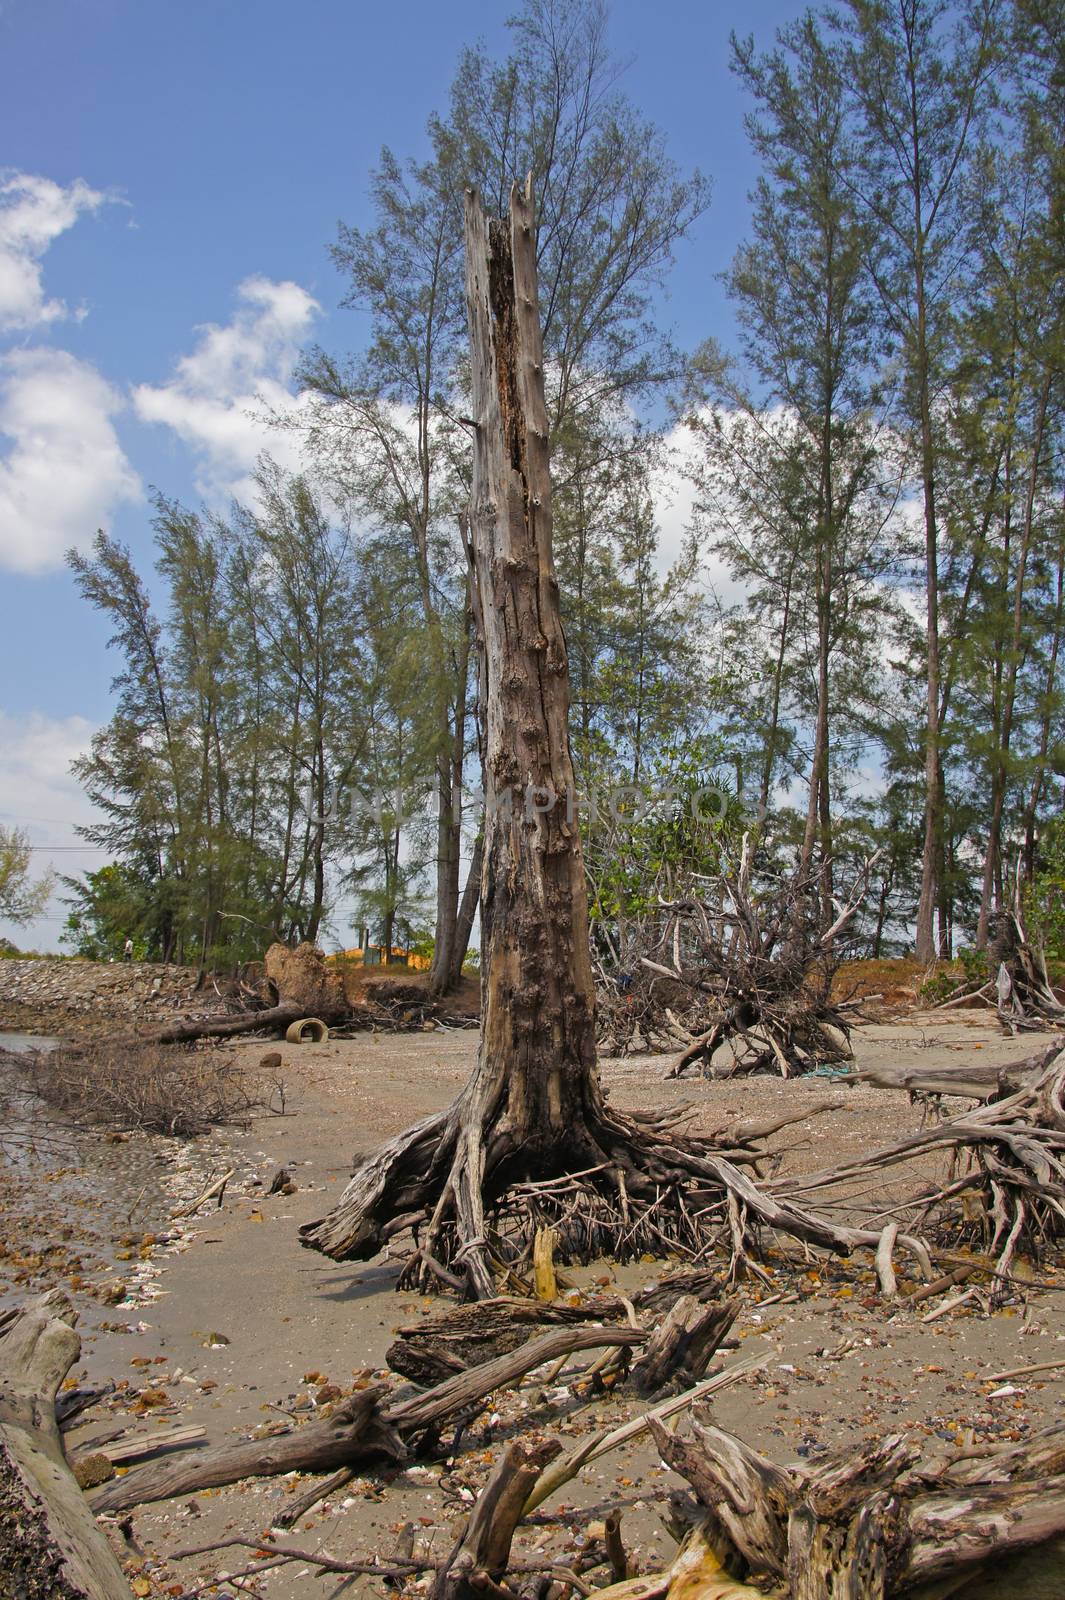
675	494
65	471
38	794
33	213
217	396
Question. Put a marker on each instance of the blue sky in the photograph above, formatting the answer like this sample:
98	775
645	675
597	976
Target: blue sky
171	174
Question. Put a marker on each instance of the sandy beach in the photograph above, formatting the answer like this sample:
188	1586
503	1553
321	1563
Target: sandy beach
224	1321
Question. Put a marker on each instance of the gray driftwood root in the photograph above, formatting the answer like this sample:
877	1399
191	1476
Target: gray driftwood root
50	1546
876	1523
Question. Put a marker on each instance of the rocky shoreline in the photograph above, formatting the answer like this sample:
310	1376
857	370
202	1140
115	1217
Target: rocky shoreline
76	997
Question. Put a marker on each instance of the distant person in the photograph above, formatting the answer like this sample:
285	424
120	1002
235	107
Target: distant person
127	950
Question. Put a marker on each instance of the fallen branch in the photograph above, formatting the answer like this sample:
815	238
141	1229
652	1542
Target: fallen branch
357	1430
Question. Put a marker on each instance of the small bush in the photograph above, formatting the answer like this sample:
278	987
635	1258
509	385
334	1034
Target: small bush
149	1088
940	986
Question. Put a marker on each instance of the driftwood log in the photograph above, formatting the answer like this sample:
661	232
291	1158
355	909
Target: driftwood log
273	1019
50	1546
438	1346
972	1080
682	1345
360	1429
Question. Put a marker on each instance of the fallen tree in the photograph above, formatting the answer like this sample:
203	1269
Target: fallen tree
975	1080
738	965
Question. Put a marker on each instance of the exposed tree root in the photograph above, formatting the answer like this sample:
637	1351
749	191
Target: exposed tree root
876	1523
743	966
621	1186
1005	1189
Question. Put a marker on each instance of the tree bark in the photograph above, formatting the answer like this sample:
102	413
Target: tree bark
538	1042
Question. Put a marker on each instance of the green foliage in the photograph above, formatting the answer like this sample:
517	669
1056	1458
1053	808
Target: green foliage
645	843
939	987
1045	900
22	897
109	906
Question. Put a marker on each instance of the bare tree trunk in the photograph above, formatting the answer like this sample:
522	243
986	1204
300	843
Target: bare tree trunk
471	896
531	1140
538	1042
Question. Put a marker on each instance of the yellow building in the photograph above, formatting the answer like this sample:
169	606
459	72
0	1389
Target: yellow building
374	955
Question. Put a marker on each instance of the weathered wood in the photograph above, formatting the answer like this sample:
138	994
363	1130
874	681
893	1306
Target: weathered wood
438	1346
430	1409
352	1431
273	1018
871	1524
50	1546
128	1447
314	1496
356	1430
681	1346
483	1550
544	1280
973	1080
567	1467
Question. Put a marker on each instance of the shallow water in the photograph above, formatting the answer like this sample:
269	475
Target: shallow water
75	1203
23	1043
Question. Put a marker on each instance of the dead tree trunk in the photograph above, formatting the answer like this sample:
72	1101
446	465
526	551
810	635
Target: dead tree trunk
50	1545
531	1141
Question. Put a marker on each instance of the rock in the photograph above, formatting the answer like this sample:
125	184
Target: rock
117	989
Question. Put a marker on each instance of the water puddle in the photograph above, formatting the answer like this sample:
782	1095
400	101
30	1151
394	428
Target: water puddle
24	1043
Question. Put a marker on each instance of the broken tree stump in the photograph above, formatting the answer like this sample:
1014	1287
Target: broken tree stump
483	1551
871	1524
50	1546
681	1346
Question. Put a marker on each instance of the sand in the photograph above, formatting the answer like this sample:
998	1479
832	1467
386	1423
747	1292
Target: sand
230	1316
